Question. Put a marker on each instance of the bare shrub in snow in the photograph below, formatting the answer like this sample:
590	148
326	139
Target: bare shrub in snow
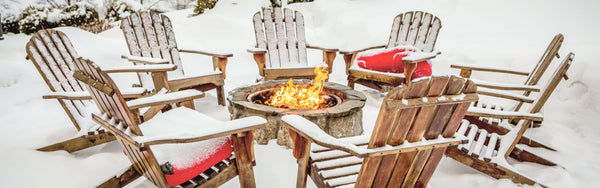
202	5
10	23
117	9
36	17
79	14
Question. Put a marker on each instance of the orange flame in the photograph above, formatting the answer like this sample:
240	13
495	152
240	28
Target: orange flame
300	97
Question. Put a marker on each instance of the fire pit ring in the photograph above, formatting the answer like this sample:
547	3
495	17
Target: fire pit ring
343	119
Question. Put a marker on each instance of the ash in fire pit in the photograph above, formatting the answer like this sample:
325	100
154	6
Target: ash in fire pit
340	115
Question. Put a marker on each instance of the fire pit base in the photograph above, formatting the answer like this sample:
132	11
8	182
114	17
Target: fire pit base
341	120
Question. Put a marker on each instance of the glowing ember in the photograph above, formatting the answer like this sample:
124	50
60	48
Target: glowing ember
298	96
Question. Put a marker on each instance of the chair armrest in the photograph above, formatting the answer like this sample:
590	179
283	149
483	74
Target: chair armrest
483	112
162	98
488	69
259	58
322	48
227	128
505	95
141	68
204	52
76	95
257	50
504	86
418	57
145	60
311	132
354	51
84	95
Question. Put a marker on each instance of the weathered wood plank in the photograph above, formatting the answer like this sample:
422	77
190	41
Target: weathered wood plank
414	28
423	30
432	36
301	39
79	143
271	39
161	36
258	21
281	38
401	169
404	28
425	115
407	116
430	166
291	36
460	111
150	34
174	51
395	31
416	168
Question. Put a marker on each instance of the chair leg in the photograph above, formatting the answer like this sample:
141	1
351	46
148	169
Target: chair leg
221	96
525	156
244	163
350	83
488	168
121	180
79	143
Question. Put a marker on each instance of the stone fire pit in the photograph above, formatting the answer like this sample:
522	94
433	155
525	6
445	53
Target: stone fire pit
340	120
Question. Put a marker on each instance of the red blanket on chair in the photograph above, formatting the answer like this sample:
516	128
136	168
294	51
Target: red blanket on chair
391	61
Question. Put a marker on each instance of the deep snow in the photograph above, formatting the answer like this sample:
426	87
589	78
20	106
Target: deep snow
507	34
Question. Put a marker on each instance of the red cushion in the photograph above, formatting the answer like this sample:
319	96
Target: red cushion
183	174
391	61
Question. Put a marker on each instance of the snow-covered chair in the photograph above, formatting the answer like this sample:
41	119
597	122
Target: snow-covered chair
498	89
53	55
280	34
488	148
405	146
178	147
516	96
149	34
413	28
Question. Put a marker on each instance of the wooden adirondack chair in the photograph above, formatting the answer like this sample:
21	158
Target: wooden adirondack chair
53	55
281	36
529	86
506	91
489	147
149	34
150	146
414	28
384	159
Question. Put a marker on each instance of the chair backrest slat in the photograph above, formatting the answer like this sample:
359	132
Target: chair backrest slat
399	123
281	32
290	35
415	28
161	35
301	37
545	60
281	37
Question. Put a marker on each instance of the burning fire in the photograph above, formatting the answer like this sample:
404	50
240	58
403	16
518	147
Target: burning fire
300	97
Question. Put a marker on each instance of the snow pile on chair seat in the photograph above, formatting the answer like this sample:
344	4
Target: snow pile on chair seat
188	159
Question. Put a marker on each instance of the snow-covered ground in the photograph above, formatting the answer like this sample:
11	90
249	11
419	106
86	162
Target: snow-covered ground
508	34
